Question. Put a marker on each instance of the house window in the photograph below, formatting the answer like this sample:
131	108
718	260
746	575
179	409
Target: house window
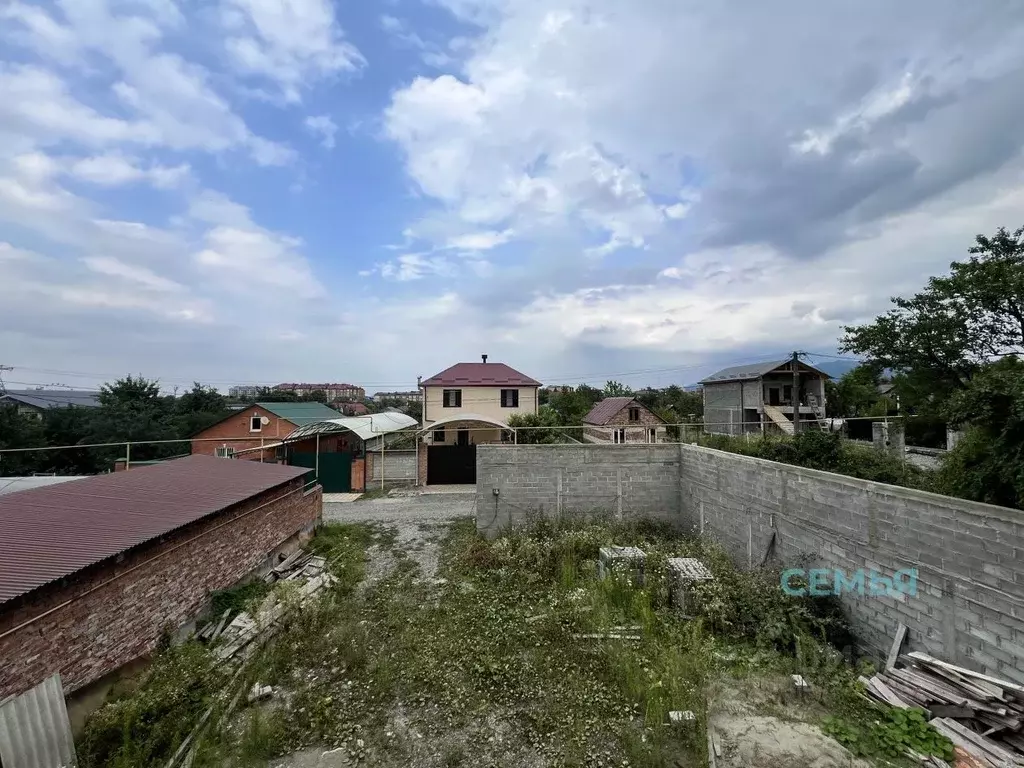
510	398
787	393
256	424
652	435
620	435
453	398
225	453
634	414
438	435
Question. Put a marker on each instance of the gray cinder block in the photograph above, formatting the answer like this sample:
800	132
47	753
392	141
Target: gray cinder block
627	560
683	574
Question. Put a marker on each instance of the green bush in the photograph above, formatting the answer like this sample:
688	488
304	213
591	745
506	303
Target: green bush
144	727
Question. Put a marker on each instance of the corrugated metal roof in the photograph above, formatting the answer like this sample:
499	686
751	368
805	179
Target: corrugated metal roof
300	413
480	375
744	372
49	533
365	427
606	409
754	371
53	398
15	484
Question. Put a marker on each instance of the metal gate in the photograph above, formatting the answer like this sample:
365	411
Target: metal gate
335	469
451	464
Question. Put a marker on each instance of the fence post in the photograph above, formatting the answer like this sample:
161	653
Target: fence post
382	462
127	455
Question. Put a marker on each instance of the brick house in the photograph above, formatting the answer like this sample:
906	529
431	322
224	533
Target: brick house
93	572
623	420
258	425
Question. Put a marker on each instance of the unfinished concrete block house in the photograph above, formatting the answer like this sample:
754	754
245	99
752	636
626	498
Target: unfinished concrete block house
623	420
761	397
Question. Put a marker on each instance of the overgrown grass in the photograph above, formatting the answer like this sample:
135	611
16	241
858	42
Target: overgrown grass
482	666
828	452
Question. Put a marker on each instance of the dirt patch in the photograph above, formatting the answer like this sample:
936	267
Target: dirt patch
747	736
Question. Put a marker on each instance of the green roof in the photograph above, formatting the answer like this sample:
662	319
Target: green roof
301	413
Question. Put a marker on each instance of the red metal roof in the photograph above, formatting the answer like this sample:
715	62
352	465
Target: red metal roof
480	375
48	533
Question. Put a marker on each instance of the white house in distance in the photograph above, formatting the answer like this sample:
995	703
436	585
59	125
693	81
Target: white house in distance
469	403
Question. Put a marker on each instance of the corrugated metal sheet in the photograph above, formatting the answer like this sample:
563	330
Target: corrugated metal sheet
365	427
300	413
34	729
480	375
606	409
48	533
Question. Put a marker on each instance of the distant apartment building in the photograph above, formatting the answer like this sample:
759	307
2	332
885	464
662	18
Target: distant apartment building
244	392
333	391
403	397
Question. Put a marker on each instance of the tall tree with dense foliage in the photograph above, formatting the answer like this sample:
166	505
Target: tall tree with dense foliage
616	389
943	335
539	427
19	431
988	463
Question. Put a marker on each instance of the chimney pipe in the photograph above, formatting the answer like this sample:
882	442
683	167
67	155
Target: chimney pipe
484	357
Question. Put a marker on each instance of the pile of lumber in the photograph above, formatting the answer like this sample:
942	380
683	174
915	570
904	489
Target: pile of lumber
980	714
299	565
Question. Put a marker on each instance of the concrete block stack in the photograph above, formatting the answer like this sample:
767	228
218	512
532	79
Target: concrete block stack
684	573
622	560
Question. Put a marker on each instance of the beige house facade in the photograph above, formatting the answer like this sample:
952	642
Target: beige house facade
470	403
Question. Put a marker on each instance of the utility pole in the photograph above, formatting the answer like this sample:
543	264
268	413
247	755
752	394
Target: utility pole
3	387
796	392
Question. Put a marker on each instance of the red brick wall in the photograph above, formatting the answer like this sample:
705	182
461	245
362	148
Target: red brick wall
237	426
102	630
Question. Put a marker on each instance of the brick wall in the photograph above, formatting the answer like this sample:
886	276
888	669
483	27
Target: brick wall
100	631
969	607
237	426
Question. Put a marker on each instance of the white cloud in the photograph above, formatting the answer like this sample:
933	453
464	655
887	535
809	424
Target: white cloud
480	241
112	170
323	126
133	273
291	42
414	266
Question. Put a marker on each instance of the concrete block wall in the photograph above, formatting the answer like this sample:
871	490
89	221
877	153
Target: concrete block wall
969	606
561	479
398	466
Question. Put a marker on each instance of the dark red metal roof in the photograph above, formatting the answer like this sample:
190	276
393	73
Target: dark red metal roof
48	533
480	375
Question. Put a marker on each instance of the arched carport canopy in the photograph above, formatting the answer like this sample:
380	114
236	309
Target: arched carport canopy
461	417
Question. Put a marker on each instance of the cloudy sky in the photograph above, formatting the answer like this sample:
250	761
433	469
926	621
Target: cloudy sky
241	191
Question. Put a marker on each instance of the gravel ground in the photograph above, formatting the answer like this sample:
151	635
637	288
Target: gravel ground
418	521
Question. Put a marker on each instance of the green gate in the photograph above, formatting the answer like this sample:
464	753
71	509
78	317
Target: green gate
335	469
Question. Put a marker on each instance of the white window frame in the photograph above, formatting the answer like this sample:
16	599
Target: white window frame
257	420
619	436
225	452
652	435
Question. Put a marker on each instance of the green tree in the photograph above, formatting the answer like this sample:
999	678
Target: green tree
988	464
132	410
70	426
947	332
616	389
572	406
198	409
856	393
541	427
19	431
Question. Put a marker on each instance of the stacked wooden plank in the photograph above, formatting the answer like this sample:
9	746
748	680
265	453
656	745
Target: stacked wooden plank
980	714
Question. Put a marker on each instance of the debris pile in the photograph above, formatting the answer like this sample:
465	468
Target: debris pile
980	714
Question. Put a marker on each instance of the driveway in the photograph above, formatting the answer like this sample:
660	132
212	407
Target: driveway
433	507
